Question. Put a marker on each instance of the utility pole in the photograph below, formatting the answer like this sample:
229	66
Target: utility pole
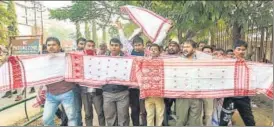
35	25
40	9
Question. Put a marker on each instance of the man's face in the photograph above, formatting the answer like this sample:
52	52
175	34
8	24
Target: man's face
103	47
53	47
218	53
188	50
115	48
230	54
81	45
172	49
239	52
201	45
138	47
89	46
207	51
154	51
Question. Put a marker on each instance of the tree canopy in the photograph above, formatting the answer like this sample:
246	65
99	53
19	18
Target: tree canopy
191	18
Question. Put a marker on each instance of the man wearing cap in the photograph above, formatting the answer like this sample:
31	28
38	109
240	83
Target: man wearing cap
173	49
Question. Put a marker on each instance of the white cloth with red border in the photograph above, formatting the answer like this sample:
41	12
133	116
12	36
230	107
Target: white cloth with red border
165	77
154	26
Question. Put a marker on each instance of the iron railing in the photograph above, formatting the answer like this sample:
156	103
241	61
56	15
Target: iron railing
20	102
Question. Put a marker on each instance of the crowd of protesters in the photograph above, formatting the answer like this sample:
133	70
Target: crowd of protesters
112	102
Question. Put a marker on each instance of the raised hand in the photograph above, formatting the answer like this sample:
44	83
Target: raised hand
118	24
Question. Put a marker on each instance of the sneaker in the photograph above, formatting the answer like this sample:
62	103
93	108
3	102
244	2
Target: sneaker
18	98
7	94
170	117
14	92
32	90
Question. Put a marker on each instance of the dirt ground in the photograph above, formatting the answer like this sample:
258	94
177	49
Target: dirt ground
262	110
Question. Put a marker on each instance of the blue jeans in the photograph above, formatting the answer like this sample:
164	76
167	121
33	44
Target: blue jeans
78	104
51	105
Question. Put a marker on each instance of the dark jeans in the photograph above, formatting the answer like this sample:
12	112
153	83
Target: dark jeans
242	105
168	104
134	104
78	104
62	115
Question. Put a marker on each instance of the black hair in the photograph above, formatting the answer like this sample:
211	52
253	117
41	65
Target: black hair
156	45
80	39
239	43
91	41
53	39
174	42
115	40
229	50
137	39
201	43
220	49
149	42
193	43
207	47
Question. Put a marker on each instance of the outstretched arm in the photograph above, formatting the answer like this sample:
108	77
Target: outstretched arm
127	45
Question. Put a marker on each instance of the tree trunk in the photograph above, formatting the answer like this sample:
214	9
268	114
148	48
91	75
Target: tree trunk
271	45
236	32
94	35
104	34
189	35
87	31
180	37
261	49
212	37
78	32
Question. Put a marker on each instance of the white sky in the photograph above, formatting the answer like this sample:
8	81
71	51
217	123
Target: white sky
67	24
55	4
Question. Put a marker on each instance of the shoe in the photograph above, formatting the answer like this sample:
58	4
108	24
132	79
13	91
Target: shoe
7	94
14	92
170	117
32	90
18	98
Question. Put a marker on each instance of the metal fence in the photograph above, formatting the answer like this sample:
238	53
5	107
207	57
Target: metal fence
27	117
259	39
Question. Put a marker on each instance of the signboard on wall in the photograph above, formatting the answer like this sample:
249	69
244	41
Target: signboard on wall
25	46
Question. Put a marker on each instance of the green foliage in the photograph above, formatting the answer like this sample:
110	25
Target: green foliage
190	18
13	27
4	22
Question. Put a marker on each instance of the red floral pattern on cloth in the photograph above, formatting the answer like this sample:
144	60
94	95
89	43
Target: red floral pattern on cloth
77	67
151	78
17	76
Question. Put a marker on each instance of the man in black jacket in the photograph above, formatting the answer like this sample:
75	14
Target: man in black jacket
242	104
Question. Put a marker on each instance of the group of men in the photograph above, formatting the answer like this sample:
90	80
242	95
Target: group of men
113	101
